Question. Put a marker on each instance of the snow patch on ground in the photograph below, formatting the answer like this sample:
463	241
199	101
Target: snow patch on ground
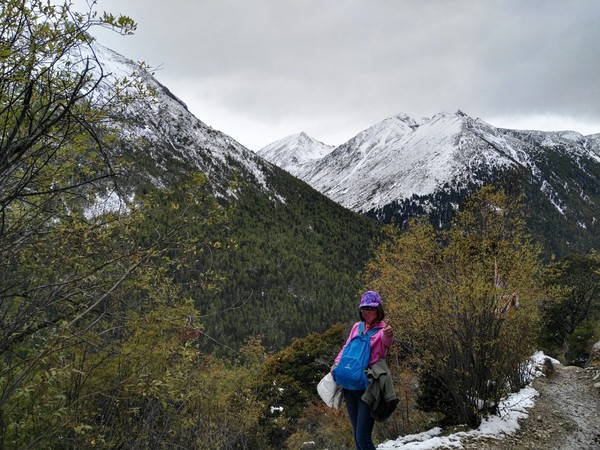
512	409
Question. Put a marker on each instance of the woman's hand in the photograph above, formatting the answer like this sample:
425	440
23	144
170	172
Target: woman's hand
388	330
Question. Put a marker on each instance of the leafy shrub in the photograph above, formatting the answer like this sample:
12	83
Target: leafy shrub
444	291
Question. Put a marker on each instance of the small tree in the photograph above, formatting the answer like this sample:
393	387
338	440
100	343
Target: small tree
289	381
569	319
446	293
51	123
49	80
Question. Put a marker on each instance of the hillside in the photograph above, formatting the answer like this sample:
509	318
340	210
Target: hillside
294	256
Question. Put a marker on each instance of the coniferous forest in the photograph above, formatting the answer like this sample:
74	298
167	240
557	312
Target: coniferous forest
140	308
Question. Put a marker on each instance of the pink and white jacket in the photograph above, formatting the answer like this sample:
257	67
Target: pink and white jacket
379	343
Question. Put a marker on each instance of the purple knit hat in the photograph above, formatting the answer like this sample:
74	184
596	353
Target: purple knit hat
370	298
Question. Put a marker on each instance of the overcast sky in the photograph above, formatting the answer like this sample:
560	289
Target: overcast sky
260	70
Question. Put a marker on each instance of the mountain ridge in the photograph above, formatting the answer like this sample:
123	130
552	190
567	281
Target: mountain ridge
436	152
402	167
166	116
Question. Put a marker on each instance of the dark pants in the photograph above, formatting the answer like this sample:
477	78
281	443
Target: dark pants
360	417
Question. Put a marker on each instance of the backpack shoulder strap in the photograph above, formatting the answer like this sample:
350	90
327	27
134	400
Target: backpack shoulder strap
374	331
370	333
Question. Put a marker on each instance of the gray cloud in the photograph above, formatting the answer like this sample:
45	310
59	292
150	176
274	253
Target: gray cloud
261	69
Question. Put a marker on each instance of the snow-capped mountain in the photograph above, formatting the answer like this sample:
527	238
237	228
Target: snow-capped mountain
402	157
393	159
162	128
395	169
295	151
404	166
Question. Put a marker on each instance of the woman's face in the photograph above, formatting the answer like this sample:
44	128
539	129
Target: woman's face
369	313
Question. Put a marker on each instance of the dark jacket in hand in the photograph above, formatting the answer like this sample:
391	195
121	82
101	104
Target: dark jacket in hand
380	394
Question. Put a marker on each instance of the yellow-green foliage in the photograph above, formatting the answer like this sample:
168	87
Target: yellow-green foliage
322	427
150	388
116	362
443	291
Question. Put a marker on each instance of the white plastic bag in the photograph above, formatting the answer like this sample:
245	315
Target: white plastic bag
330	392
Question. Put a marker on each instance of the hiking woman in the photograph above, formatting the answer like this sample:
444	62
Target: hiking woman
371	315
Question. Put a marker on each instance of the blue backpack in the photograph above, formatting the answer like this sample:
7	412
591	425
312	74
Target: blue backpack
350	373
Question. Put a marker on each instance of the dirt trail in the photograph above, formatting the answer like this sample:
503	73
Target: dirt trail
566	415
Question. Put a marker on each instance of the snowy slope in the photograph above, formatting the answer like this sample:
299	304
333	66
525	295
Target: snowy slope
402	156
295	151
395	159
168	131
